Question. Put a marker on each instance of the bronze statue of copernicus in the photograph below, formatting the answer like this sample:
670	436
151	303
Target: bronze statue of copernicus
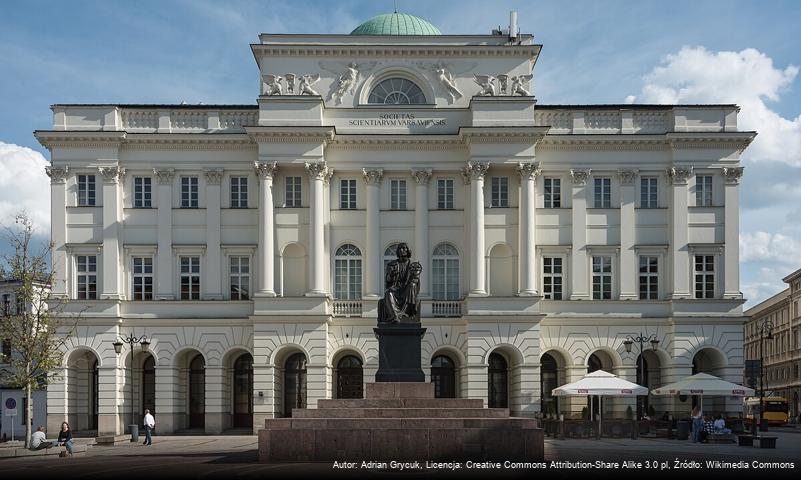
402	286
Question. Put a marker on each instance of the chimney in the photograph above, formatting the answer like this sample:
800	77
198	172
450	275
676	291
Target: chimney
512	25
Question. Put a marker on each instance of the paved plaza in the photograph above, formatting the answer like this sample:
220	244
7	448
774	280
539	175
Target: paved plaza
236	457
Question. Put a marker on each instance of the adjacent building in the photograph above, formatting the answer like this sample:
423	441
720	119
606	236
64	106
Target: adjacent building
248	242
781	354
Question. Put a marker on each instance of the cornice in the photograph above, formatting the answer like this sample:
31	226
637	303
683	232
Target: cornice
295	50
603	142
75	139
501	134
397	142
188	141
695	140
291	134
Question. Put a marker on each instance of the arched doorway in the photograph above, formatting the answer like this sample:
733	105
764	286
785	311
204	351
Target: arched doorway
82	385
711	361
294	383
443	376
197	392
549	379
94	396
598	360
498	381
148	387
649	375
350	377
243	391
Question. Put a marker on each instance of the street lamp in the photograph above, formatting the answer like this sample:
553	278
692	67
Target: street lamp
765	331
641	339
131	340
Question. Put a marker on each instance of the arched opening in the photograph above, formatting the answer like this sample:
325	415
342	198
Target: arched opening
549	379
348	273
350	377
148	386
711	361
243	391
445	272
396	91
294	383
501	271
293	271
598	360
83	399
498	381
443	376
197	392
648	375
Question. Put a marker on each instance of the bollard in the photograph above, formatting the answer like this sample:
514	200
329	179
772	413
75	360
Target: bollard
134	432
561	426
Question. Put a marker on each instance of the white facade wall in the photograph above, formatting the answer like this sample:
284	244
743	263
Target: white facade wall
500	306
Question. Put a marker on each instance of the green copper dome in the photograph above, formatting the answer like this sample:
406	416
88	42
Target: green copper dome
396	24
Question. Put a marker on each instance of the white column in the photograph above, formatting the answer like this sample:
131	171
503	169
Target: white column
373	225
421	246
213	273
112	210
475	171
679	247
58	228
628	258
579	267
265	172
319	173
164	265
731	259
528	227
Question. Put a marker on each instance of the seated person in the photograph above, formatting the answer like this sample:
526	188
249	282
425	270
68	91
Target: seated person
708	429
65	437
720	425
39	440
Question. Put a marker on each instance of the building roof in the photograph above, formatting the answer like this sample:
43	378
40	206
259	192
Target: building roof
396	24
768	304
792	276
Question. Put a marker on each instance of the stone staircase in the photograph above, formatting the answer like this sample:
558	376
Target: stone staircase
400	421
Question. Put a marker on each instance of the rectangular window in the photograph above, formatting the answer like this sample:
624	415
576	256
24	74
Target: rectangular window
347	194
142	192
397	194
704	276
142	278
189	192
649	278
602	278
553	193
240	278
445	278
86	190
445	193
500	192
648	195
552	278
86	278
190	278
292	192
603	192
6	305
239	192
703	190
5	350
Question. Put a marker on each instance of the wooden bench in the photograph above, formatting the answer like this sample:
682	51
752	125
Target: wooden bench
766	441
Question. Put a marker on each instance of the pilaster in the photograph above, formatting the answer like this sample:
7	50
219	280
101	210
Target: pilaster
579	288
628	257
319	174
112	214
265	172
213	274
164	265
422	249
475	171
679	247
528	227
372	179
58	228
731	255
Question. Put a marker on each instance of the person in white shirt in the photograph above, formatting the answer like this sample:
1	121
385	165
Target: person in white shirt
720	425
39	440
149	423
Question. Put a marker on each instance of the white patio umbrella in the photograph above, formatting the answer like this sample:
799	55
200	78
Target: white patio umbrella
603	384
704	384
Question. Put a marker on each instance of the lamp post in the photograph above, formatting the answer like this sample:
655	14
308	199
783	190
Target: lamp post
765	327
641	339
131	340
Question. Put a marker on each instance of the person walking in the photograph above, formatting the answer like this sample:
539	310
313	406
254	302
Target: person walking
149	423
698	424
65	437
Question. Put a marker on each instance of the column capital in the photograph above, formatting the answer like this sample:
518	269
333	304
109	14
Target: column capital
475	170
319	170
111	175
213	176
373	176
679	175
164	176
57	174
529	171
579	176
422	177
627	176
733	174
265	170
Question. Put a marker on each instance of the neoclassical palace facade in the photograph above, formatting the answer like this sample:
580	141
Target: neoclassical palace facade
248	242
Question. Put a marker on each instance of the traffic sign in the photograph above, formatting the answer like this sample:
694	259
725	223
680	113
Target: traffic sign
11	403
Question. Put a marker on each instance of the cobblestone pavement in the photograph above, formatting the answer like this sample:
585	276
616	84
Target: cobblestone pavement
234	457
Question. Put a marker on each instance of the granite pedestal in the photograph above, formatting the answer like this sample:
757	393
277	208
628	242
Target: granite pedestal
399	352
400	421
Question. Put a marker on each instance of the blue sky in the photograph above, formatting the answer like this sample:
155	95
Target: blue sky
594	52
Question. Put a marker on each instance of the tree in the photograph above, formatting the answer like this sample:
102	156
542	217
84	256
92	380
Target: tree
35	329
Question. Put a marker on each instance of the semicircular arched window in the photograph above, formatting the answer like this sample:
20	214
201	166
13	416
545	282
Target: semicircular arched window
396	91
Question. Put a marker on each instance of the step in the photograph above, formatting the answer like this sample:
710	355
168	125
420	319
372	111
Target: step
402	403
401	413
397	423
113	439
78	450
399	390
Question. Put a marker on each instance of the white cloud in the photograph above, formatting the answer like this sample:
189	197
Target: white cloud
24	186
747	78
769	247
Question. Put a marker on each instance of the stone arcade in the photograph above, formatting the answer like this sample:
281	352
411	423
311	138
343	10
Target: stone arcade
248	242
